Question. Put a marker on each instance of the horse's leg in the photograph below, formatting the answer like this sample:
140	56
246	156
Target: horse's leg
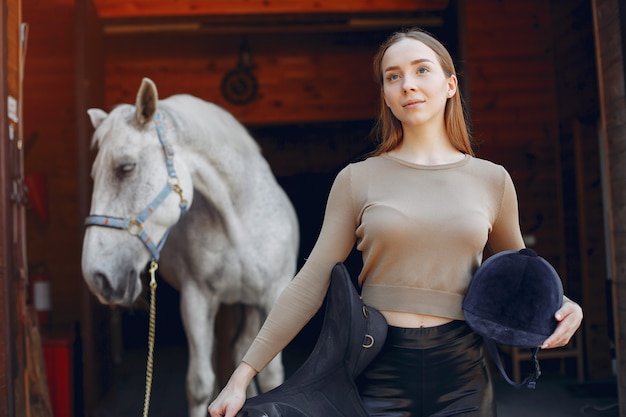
198	313
273	374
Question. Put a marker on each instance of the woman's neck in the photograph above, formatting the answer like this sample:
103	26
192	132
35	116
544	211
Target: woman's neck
427	148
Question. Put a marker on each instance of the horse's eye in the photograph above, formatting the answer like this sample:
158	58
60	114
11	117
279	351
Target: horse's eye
124	170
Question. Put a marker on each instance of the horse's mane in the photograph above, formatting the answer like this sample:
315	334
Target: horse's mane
203	122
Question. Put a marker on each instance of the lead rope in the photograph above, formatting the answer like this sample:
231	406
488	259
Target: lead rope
151	335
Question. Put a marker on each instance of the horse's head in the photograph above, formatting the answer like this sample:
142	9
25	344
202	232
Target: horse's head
140	190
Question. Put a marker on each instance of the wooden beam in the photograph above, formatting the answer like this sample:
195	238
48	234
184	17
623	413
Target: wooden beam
611	68
7	371
230	27
95	320
152	8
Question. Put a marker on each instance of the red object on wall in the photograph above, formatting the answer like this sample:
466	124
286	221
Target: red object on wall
58	355
40	287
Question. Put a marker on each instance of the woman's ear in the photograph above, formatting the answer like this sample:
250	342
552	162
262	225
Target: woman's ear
453	83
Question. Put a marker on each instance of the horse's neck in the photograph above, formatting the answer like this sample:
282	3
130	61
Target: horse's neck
213	138
223	174
220	155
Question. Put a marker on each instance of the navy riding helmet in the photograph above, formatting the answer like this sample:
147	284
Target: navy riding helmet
512	299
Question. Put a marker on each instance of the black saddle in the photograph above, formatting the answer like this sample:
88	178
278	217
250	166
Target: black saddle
352	335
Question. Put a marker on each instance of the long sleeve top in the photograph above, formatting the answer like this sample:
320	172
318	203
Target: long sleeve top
421	230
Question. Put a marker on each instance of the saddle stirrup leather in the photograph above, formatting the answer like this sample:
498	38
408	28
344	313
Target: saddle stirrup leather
351	336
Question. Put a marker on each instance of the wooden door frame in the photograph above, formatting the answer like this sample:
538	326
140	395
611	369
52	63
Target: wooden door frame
13	271
89	92
609	19
6	364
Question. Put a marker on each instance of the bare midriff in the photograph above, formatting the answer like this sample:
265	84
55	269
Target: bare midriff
413	320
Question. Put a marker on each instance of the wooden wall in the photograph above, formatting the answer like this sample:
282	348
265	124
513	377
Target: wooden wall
535	110
302	77
513	108
507	56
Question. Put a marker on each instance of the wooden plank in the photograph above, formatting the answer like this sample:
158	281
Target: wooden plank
513	84
517	50
519	100
593	281
525	131
7	393
606	23
512	117
523	16
533	24
488	66
514	9
150	8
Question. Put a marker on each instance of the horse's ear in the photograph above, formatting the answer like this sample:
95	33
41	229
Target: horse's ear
146	103
97	116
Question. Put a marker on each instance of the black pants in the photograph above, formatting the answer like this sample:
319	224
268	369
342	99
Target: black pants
429	372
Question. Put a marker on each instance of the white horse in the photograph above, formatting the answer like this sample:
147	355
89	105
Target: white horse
181	181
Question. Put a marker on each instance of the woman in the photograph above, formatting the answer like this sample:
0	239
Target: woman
421	210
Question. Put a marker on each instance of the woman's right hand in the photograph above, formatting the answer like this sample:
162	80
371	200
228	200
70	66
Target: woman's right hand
233	396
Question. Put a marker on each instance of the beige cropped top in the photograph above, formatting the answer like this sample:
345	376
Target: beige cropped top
421	230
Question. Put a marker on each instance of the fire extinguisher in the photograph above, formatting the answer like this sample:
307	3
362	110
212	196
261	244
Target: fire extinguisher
41	300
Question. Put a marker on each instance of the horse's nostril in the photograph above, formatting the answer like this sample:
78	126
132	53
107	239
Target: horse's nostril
104	285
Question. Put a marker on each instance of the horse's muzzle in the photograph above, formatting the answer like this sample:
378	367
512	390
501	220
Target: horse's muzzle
116	292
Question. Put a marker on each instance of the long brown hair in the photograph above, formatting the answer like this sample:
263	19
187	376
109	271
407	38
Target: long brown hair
388	129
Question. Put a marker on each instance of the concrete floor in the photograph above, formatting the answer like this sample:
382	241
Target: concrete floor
554	396
558	397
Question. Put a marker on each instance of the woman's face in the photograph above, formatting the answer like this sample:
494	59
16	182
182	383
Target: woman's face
415	86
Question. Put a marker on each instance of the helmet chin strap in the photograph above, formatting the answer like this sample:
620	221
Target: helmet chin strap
530	381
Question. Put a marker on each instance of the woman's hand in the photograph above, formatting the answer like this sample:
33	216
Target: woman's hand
231	399
569	317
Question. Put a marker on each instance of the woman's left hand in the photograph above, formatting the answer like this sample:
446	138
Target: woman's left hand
569	317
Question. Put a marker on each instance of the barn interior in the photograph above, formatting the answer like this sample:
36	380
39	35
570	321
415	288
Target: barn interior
528	73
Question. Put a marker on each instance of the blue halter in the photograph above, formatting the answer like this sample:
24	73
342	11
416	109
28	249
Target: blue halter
135	226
